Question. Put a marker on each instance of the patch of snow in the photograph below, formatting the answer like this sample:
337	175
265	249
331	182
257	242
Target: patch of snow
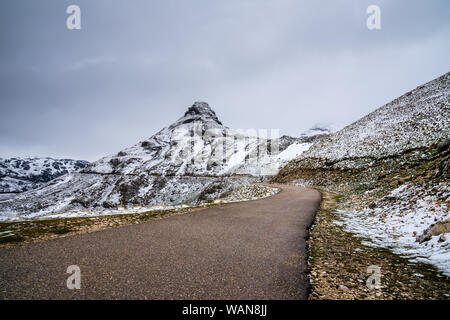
245	193
293	151
396	226
23	174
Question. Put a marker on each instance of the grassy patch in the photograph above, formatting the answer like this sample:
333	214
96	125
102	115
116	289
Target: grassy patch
13	233
33	230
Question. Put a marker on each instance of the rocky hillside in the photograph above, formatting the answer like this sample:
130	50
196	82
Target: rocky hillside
416	121
392	169
23	174
196	159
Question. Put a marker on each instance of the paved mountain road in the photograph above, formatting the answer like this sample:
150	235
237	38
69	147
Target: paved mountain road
247	250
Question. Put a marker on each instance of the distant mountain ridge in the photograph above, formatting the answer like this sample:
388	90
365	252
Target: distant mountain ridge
23	174
195	159
318	132
192	145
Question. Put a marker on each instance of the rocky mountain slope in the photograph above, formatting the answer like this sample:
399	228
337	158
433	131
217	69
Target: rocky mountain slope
391	167
196	159
23	174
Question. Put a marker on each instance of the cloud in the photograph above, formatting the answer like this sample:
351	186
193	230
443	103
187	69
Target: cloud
133	69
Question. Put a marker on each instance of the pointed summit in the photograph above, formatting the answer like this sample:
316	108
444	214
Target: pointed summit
188	162
200	111
200	108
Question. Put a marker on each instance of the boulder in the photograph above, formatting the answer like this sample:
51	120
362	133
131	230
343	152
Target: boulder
438	228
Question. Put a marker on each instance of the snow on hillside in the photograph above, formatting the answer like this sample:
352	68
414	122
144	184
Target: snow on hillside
196	159
293	151
416	119
246	192
398	225
198	144
22	174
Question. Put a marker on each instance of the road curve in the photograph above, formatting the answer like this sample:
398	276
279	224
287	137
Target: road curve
247	250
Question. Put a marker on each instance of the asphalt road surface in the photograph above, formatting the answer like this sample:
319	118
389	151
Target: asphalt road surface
247	250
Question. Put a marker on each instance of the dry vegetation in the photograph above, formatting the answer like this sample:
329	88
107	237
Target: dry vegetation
338	265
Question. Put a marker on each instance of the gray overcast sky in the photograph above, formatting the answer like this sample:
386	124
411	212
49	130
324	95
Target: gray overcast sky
135	66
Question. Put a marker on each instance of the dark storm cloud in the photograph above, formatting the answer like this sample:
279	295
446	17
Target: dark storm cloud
135	66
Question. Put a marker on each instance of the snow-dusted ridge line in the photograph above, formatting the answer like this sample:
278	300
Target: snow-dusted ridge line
175	166
23	174
421	115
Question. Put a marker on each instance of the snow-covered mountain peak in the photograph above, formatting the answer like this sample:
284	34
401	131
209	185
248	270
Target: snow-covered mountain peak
200	108
199	111
194	159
